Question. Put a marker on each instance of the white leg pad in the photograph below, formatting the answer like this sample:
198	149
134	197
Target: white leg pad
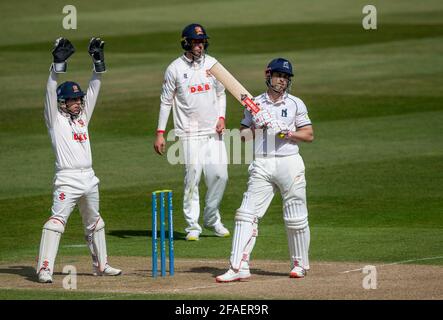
51	234
245	234
297	229
99	244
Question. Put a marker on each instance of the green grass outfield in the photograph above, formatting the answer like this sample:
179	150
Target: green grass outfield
374	171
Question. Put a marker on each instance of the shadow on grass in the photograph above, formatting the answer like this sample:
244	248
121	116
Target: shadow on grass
218	271
178	236
29	273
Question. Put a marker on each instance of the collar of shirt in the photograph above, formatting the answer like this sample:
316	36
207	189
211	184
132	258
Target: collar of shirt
280	101
191	61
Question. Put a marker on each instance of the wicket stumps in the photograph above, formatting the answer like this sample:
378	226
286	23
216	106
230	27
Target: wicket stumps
162	193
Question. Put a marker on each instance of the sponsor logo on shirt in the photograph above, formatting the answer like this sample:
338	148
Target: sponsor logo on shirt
80	137
199	88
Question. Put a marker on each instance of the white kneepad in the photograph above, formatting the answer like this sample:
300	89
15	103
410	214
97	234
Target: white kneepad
99	244
51	234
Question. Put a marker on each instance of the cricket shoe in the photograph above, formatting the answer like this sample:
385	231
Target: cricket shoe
192	236
221	231
44	276
108	271
297	272
232	275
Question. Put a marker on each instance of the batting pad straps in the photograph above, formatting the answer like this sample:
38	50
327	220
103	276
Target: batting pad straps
296	215
54	225
245	216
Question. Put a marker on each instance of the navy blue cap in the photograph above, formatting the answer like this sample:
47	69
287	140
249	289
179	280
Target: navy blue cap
69	90
280	65
194	31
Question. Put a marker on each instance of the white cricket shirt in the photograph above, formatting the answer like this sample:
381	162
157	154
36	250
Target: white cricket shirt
290	110
70	137
195	96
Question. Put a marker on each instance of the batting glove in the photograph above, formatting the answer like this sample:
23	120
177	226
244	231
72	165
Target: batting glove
263	119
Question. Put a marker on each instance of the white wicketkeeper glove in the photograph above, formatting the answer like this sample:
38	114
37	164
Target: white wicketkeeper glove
262	119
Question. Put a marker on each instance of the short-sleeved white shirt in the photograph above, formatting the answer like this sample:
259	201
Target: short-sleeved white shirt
290	110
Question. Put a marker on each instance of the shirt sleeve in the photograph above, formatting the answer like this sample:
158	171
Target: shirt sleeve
221	98
247	119
302	117
92	94
166	98
51	105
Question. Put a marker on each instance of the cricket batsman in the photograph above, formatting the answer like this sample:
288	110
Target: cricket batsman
278	167
68	111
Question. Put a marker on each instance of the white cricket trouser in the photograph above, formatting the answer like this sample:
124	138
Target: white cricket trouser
266	176
207	155
73	187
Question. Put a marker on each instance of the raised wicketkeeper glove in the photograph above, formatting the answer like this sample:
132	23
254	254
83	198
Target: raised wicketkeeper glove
63	49
98	56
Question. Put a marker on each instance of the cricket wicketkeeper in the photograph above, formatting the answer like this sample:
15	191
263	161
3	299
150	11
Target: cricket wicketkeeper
68	111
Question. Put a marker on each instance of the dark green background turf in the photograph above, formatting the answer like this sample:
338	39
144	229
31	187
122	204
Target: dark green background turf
374	171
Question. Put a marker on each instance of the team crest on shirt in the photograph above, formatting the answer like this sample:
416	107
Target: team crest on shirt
208	73
62	196
284	113
81	122
185	75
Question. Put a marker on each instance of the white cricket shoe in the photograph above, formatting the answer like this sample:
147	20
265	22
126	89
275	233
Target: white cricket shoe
193	235
232	275
297	272
109	271
44	276
221	231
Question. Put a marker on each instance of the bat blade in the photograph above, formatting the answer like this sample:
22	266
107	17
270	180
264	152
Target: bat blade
234	87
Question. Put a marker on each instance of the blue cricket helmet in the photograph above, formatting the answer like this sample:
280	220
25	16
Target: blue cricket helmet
69	90
279	65
191	32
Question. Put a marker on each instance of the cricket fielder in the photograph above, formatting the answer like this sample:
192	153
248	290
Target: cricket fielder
68	111
198	102
278	166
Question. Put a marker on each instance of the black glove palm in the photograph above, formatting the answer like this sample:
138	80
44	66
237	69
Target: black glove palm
63	49
96	50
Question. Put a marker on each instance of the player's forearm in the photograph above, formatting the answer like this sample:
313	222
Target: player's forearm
221	100
51	97
304	135
165	110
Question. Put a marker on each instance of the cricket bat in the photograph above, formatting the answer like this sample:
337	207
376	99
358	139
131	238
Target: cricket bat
235	88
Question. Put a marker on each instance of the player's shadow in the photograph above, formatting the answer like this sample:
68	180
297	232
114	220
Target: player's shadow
218	271
123	234
29	273
26	272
